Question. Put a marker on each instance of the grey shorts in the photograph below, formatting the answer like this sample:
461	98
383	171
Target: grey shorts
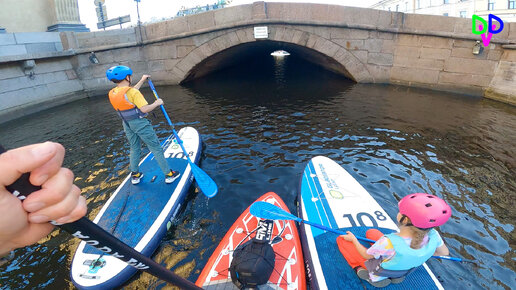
374	266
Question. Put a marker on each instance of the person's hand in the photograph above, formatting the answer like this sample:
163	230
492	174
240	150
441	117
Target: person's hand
350	237
25	223
158	102
144	78
141	81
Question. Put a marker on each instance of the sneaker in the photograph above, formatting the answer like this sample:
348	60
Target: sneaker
171	176
380	284
136	177
364	275
397	280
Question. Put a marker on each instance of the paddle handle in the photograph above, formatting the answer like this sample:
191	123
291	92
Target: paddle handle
97	237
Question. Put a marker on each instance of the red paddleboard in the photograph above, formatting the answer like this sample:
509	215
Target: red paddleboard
289	271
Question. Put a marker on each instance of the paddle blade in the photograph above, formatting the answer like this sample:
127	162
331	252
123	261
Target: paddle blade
269	211
204	181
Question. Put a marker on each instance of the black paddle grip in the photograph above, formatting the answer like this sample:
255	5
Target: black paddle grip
97	237
22	187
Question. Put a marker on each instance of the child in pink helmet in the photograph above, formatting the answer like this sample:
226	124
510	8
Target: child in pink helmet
393	256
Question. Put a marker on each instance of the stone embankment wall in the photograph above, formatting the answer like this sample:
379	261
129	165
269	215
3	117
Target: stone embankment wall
35	74
369	46
29	43
503	84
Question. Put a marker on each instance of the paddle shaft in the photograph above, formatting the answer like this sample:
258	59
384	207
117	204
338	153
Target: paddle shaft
331	230
169	122
204	182
97	237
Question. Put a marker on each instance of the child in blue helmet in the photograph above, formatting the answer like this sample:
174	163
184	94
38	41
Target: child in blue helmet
133	108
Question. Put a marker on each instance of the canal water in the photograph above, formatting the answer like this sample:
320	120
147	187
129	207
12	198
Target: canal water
261	122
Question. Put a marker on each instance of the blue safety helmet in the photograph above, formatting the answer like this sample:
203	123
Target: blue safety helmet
118	72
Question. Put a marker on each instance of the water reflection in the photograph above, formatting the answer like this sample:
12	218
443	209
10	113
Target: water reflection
279	72
260	132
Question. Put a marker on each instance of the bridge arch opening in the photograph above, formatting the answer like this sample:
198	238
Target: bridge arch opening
241	53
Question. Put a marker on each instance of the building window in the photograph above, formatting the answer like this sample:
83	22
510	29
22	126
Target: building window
389	8
406	6
512	4
490	5
446	1
397	7
445	14
418	4
463	14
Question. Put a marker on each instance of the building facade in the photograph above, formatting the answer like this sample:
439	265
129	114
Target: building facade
40	16
199	9
505	9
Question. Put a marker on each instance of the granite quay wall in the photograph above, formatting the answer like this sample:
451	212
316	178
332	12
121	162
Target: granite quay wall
368	46
29	43
503	83
35	74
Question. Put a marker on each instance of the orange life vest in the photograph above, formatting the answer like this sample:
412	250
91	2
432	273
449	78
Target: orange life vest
120	102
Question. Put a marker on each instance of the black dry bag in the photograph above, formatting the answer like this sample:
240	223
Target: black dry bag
253	261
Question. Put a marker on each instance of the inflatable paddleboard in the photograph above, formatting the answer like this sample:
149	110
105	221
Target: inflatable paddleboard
139	215
330	196
288	272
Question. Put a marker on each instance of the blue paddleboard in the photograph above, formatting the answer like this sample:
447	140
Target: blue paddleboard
330	196
139	215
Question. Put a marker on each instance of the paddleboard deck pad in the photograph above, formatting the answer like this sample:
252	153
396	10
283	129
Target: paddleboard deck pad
330	196
288	270
139	215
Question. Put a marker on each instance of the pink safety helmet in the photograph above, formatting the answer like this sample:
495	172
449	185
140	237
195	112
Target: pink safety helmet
425	210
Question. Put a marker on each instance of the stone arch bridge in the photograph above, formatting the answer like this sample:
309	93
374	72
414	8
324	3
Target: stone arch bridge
366	45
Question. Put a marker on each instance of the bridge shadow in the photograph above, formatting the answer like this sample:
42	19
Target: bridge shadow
248	74
256	52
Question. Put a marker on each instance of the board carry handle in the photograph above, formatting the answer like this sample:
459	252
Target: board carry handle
97	237
204	181
267	210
